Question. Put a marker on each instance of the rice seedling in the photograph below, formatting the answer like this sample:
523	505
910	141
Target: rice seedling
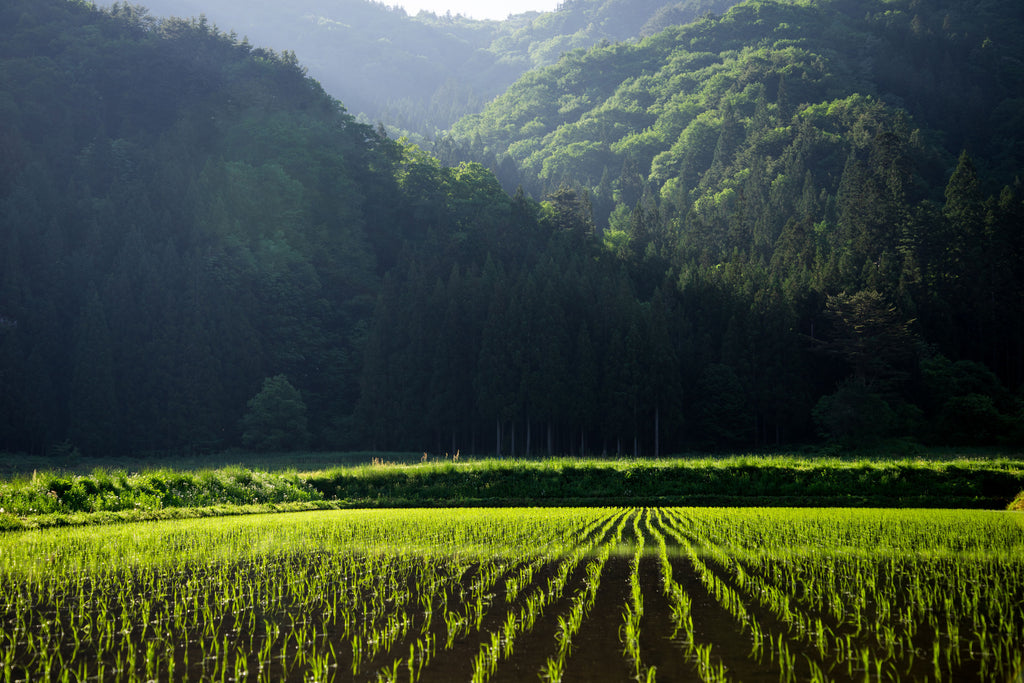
377	594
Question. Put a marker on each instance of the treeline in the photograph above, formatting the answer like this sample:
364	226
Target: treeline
843	264
567	346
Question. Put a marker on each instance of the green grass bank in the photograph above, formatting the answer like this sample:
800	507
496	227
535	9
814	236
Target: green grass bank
61	498
732	481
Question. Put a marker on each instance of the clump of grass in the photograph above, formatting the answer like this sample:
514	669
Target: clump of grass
1018	503
103	490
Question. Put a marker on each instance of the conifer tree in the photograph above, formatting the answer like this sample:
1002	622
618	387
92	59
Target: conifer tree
93	407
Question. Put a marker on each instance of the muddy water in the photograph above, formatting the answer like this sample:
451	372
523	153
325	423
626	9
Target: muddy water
597	650
532	649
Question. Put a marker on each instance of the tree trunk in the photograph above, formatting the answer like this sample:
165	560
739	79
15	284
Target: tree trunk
528	435
657	431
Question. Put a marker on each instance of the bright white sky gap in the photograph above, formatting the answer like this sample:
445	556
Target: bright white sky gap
477	9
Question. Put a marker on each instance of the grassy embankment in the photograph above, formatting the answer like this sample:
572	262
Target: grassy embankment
61	498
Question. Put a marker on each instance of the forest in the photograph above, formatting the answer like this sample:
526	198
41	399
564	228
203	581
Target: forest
796	222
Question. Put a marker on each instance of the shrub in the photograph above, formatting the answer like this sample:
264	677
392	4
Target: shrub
276	420
854	414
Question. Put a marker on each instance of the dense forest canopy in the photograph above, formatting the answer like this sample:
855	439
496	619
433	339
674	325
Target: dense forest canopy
793	221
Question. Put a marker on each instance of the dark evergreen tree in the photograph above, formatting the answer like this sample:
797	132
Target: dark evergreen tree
93	404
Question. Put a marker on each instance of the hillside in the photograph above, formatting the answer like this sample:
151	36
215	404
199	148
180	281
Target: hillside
811	169
826	181
182	217
950	71
200	249
419	74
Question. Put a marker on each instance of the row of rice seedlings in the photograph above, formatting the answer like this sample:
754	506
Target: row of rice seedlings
816	639
883	598
679	602
582	603
475	601
923	600
461	623
711	669
206	610
501	644
633	611
814	634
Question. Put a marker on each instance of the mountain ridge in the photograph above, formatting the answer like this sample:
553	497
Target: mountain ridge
419	74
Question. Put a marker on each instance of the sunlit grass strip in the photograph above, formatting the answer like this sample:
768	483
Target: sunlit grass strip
47	498
118	490
721	480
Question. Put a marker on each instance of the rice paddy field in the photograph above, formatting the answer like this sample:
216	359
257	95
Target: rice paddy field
518	594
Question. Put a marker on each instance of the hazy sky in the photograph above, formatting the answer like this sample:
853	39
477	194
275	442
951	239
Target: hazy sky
478	9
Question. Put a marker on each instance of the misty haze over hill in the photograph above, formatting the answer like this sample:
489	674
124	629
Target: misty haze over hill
422	73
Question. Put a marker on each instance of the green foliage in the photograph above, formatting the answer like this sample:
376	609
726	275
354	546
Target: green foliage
109	496
276	420
214	231
55	493
968	402
854	413
737	480
422	73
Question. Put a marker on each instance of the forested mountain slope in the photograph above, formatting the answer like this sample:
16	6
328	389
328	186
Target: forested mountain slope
199	249
181	217
653	112
420	74
793	171
178	212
